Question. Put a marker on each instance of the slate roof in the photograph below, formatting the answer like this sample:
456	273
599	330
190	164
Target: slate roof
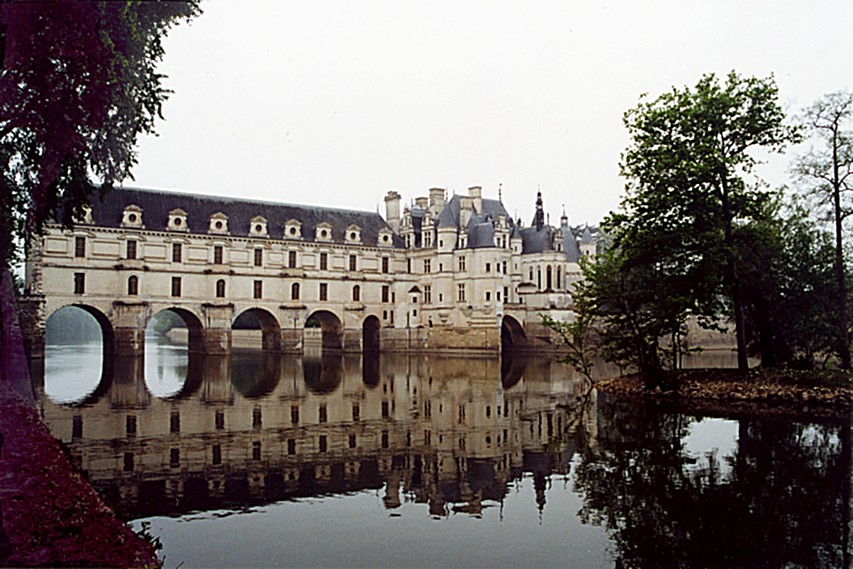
157	204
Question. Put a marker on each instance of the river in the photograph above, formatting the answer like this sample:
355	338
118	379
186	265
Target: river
403	461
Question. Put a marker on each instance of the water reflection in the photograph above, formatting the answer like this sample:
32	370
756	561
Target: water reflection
456	437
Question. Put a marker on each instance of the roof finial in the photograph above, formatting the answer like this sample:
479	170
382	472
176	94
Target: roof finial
500	192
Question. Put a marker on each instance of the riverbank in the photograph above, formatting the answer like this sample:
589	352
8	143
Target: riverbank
726	391
49	515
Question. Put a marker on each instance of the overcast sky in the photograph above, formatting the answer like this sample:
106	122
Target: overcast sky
334	103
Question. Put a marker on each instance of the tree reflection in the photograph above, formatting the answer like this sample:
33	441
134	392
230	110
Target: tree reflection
780	504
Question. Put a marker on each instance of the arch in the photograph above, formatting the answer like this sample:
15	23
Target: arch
195	328
270	328
512	334
370	335
107	330
331	326
255	374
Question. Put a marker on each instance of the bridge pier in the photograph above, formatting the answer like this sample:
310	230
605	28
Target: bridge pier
129	320
32	321
352	340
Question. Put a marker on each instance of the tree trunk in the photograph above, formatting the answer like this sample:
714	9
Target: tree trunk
737	293
844	348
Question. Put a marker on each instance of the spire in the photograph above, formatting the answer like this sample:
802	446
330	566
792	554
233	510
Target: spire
500	192
539	217
564	219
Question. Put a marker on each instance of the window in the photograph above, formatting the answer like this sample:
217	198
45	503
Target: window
385	410
324	444
131	249
259	257
384	264
324	261
219	420
130	425
408	266
176	252
324	291
461	263
79	283
257	421
506	294
256	450
79	246
323	414
356	293
291	446
132	285
77	426
291	259
176	286
217	454
175	423
353	262
128	462
294	414
352	441
427	294
427	265
504	269
356	412
428	239
258	290
460	292
220	288
217	254
488	296
385	293
488	267
294	291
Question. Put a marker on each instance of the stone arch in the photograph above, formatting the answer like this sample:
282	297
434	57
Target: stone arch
331	326
107	328
195	328
322	374
270	327
370	342
512	334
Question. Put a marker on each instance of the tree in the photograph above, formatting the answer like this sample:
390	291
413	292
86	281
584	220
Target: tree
78	86
826	174
689	154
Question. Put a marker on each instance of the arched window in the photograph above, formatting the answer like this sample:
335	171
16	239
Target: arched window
356	293
220	288
294	291
559	278
548	276
132	285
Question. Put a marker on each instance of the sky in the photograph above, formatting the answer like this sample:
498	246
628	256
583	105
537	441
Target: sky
334	103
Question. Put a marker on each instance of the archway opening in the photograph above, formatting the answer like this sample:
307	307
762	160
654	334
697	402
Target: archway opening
370	335
512	335
330	327
173	336
79	342
255	374
256	328
322	374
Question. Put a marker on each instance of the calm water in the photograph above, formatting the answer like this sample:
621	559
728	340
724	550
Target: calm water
395	461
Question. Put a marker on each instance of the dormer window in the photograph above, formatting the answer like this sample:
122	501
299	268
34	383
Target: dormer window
385	238
293	229
178	220
132	216
218	223
353	234
323	232
258	226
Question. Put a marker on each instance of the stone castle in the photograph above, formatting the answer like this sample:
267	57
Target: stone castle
444	275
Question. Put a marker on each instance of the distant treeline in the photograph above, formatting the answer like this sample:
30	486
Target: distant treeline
72	325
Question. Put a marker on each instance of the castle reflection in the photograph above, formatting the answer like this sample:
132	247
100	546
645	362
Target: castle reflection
250	429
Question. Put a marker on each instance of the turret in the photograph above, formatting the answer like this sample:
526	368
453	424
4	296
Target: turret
539	216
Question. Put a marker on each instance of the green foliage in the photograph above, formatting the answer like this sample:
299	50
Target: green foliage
789	287
77	87
163	322
71	325
690	151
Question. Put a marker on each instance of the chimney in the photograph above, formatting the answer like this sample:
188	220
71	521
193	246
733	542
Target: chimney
422	203
436	199
392	210
476	193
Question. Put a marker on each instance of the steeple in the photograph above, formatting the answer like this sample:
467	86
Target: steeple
564	219
539	217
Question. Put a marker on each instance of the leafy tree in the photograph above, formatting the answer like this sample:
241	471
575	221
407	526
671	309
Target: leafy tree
689	154
78	86
826	173
789	288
